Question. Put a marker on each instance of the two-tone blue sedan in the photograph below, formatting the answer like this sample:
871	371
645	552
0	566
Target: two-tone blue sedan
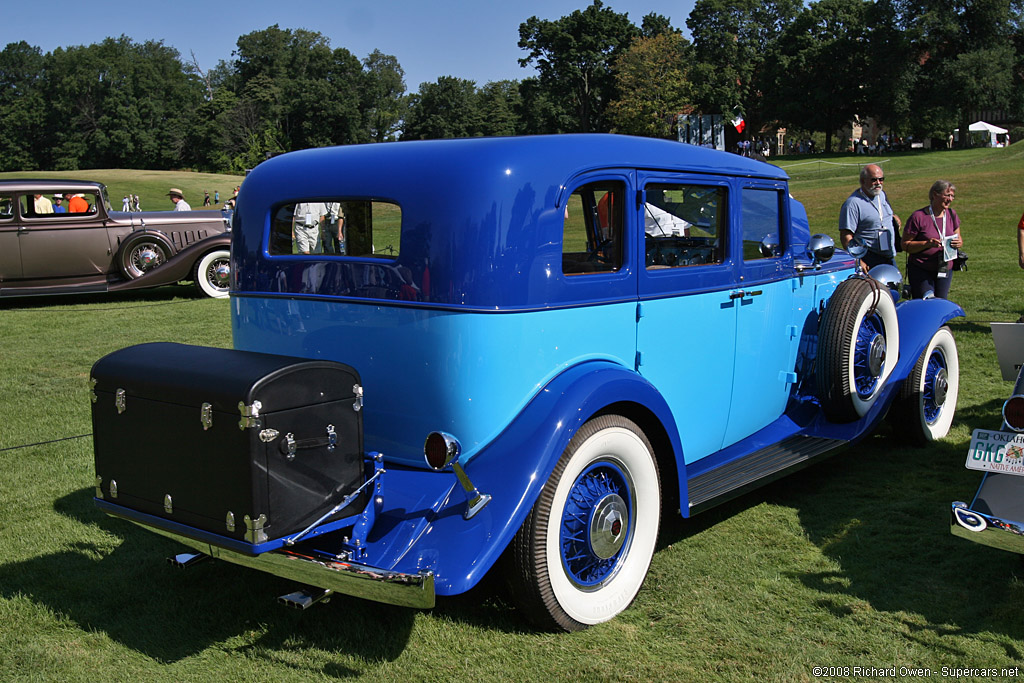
524	349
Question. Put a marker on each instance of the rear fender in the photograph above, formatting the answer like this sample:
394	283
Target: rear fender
513	469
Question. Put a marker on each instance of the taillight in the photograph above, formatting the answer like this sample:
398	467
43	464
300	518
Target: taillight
1013	413
440	450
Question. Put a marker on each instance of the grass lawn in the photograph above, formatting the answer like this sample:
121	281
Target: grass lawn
847	564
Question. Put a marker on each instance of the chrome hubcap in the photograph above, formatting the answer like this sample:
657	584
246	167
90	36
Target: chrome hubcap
941	387
608	526
219	274
876	355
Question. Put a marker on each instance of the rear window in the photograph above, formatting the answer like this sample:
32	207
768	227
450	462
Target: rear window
363	228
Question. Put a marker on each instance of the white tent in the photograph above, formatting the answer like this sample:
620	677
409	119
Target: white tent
997	137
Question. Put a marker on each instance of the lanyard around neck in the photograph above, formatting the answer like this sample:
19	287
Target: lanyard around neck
942	232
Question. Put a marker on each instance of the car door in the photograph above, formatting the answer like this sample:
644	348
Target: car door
686	318
766	334
10	250
60	245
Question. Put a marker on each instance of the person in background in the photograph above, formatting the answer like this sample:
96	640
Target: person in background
179	200
126	204
42	205
333	235
58	206
866	215
76	204
932	236
308	217
216	196
206	197
1020	241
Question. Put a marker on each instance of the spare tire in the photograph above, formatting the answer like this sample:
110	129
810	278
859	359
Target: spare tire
858	346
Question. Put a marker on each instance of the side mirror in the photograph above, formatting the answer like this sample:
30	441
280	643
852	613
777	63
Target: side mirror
820	248
856	248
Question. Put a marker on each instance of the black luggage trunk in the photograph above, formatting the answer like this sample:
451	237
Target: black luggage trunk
251	446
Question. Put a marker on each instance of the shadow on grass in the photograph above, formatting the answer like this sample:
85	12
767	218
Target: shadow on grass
882	514
133	596
141	297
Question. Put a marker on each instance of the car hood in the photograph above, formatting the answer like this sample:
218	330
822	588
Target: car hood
157	218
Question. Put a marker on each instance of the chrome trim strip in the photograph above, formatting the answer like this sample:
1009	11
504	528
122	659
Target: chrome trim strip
347	578
985	529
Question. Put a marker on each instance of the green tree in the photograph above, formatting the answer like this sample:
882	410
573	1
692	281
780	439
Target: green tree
732	41
22	107
498	103
207	147
967	52
384	99
574	57
540	112
303	93
820	66
893	68
118	104
653	85
444	109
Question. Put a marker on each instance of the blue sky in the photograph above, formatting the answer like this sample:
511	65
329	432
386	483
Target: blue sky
469	39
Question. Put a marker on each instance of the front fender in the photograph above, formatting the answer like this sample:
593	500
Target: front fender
513	469
918	321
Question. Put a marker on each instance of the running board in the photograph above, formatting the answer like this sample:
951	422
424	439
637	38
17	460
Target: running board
757	469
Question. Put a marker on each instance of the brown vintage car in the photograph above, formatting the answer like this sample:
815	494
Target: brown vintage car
85	246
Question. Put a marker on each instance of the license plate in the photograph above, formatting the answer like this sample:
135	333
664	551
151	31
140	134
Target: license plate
994	451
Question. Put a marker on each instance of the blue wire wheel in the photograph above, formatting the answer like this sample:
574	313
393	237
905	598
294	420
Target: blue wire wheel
924	409
597	524
582	554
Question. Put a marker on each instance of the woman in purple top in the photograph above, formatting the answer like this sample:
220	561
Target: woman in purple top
929	272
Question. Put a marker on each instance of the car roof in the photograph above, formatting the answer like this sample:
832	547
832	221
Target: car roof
551	155
485	215
31	184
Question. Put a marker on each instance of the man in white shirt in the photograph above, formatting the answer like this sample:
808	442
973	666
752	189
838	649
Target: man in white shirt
660	223
306	223
179	200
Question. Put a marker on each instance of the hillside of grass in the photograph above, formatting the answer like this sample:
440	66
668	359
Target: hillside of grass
151	186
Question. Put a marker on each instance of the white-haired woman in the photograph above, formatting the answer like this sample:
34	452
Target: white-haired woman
924	238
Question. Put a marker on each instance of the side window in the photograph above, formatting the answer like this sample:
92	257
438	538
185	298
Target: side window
362	228
761	233
592	229
684	225
6	208
59	205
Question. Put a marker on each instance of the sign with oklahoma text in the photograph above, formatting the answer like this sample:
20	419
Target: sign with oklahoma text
994	451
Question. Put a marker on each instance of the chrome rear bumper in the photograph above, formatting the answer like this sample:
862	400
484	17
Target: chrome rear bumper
348	578
986	529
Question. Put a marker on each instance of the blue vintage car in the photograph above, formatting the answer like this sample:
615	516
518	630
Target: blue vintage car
552	339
